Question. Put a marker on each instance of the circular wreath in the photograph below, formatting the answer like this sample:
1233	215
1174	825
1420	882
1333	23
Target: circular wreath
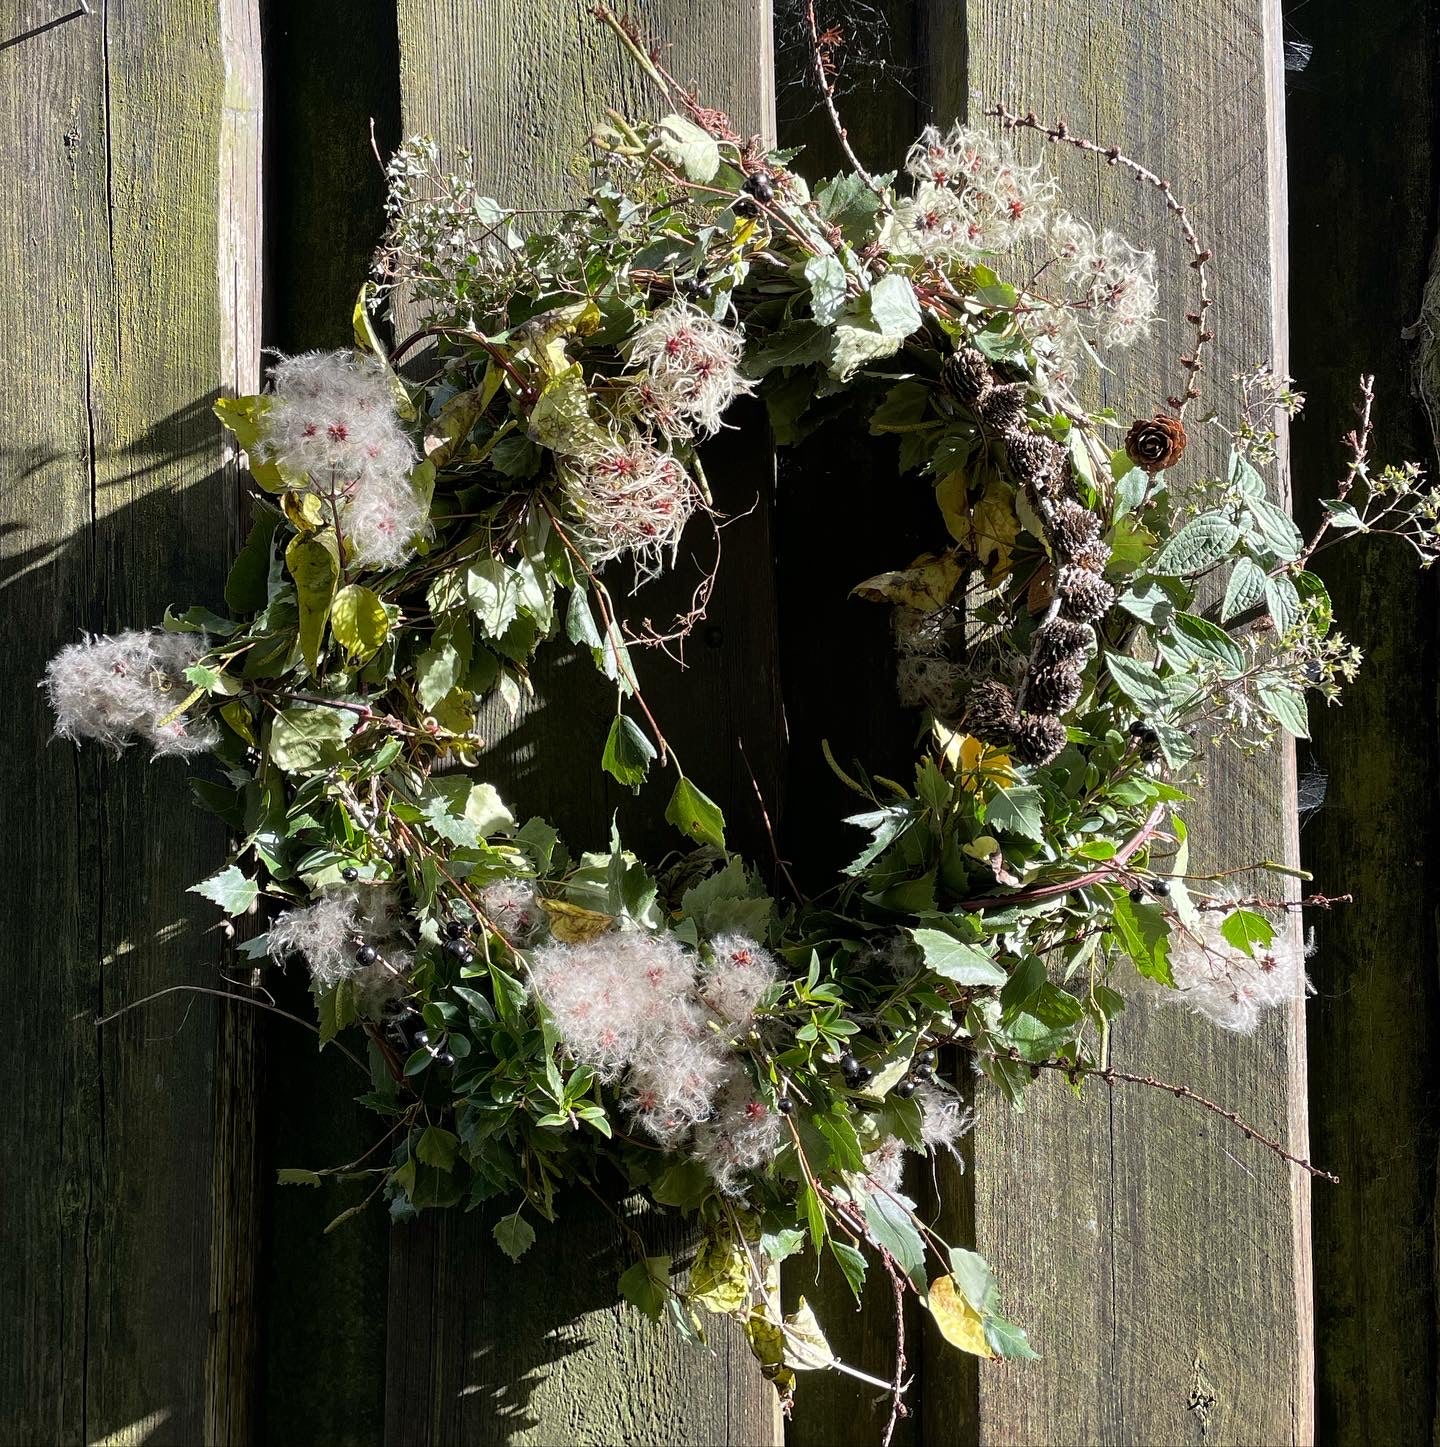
534	1018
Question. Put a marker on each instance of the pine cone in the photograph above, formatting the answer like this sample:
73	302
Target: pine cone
1038	738
990	713
1075	527
1003	407
1033	459
1053	689
966	376
1087	596
1093	556
1061	640
1156	444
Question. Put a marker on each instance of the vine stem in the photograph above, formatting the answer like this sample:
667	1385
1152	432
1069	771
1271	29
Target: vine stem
1061	134
819	53
1127	851
1111	1076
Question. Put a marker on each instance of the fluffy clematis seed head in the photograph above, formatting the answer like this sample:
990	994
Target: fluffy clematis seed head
693	365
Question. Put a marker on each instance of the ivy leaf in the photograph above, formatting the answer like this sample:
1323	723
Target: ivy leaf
1017	811
1198	545
313	561
646	1284
828	290
514	1235
627	752
965	964
1245	929
695	814
359	622
232	889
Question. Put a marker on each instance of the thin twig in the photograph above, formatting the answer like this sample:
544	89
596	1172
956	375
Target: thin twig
820	47
898	1384
1358	443
239	1000
1059	134
1073	1069
780	864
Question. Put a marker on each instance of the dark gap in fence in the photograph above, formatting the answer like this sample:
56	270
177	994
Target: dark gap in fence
1363	194
330	72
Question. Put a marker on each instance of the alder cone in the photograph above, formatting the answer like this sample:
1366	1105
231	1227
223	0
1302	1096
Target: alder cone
966	375
1156	444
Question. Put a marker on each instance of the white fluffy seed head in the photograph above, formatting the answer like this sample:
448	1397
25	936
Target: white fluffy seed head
381	518
693	366
328	933
1227	986
332	420
512	907
633	498
126	685
742	1134
944	1117
736	977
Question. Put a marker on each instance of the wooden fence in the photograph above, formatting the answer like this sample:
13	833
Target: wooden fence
162	157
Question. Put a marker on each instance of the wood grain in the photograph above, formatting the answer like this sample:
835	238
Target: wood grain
1361	123
130	140
1161	1262
480	1350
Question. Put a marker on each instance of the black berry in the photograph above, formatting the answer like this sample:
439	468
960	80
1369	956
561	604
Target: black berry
1137	894
366	955
925	1057
697	289
864	1075
746	207
454	929
444	1057
457	949
1143	733
350	874
1160	888
421	1037
906	1088
760	185
924	1072
850	1065
784	1104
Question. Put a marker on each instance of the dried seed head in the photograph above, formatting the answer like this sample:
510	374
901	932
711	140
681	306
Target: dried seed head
1054	688
1038	738
1087	596
966	375
990	713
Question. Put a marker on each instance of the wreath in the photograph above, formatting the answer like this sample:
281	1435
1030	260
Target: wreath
533	1018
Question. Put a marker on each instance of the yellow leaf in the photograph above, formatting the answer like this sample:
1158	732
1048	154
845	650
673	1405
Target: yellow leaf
359	621
767	1341
305	511
314	563
927	584
952	492
981	848
572	925
960	1324
242	415
238	717
805	1346
994	528
720	1277
976	764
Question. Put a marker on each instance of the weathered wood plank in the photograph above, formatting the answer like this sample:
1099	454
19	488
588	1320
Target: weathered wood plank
330	71
1161	1262
479	1350
131	140
1362	210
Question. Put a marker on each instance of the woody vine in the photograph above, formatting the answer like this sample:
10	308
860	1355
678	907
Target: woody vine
1087	620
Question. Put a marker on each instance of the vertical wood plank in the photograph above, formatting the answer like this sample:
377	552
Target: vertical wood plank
1363	211
1161	1262
481	1351
131	141
331	72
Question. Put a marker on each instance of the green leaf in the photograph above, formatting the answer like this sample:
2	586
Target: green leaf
1286	705
893	306
293	1176
1138	682
828	289
646	1285
231	889
1283	601
1145	937
305	740
696	815
690	148
462	811
847	202
627	752
684	1185
514	1235
359	622
247	587
852	1264
437	1147
1245	929
1279	533
313	561
1008	1340
560	419
732	899
854	345
1198	545
1017	811
493	591
445	664
1193	637
1245	589
890	1222
965	964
